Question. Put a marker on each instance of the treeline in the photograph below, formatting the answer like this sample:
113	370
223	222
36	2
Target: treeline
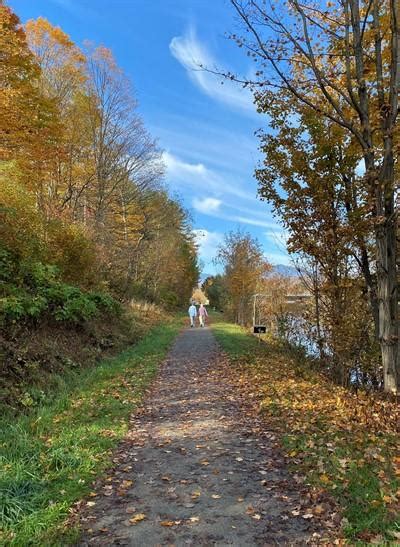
85	219
328	78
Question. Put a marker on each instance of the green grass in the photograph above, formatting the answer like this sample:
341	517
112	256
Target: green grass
344	443
233	339
50	457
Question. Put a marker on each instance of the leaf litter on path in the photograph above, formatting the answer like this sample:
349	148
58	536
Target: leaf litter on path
196	466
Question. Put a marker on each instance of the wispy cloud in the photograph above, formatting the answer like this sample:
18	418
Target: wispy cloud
194	57
253	221
278	237
203	141
182	174
206	205
208	243
214	210
178	167
222	202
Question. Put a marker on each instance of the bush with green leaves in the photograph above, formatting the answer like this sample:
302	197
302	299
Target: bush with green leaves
32	290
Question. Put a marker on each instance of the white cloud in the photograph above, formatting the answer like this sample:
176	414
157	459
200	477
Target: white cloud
205	142
253	221
208	243
199	177
206	205
194	57
177	167
224	193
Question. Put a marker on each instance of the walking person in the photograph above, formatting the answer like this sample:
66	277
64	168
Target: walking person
202	315
192	311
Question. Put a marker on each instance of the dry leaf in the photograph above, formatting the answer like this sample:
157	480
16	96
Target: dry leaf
137	518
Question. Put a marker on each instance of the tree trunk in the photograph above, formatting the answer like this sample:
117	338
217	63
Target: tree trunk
387	296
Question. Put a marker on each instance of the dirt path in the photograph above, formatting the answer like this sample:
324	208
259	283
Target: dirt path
200	476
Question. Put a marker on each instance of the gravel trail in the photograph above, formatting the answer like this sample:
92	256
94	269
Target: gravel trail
192	471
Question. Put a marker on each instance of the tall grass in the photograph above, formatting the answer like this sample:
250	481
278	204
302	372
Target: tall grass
49	457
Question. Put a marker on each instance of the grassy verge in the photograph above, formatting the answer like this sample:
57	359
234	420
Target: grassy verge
343	442
50	457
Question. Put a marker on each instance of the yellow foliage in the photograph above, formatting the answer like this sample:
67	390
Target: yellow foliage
21	226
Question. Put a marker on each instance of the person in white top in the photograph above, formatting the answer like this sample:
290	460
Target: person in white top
202	315
192	311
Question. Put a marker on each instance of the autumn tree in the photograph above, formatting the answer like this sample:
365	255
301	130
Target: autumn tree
198	296
310	176
342	61
244	268
29	125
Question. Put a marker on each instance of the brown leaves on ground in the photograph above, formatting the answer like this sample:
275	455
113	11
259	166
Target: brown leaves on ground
137	518
328	432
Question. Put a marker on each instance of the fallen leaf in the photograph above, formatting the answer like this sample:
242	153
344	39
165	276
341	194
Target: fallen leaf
137	518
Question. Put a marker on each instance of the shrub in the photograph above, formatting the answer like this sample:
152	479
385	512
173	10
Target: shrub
31	290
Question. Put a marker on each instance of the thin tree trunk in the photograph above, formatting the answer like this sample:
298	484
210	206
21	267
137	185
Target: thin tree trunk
387	284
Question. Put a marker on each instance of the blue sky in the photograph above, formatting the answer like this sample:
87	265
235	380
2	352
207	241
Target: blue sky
206	129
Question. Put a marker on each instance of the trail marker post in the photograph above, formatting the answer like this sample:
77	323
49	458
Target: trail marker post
257	329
